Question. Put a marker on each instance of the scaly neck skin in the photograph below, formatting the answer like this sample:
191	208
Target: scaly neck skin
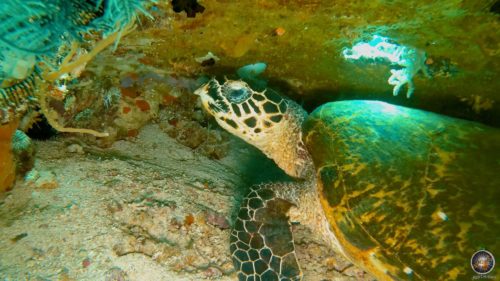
308	211
304	194
287	148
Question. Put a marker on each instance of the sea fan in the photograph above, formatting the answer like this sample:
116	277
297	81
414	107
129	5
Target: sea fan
31	31
119	13
23	27
22	37
36	30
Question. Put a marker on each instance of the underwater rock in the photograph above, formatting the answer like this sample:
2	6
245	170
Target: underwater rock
183	120
207	60
41	179
213	273
116	274
75	148
86	263
19	237
216	220
464	35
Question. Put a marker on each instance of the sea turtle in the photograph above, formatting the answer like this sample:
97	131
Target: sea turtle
403	193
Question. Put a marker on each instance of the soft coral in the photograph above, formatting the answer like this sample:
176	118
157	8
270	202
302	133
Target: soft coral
7	165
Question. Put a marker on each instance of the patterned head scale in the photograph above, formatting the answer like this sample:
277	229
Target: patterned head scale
242	111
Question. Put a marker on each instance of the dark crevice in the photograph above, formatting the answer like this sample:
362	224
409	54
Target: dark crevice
495	8
191	7
41	130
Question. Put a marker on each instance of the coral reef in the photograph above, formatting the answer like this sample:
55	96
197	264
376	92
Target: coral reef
17	99
408	60
41	46
49	35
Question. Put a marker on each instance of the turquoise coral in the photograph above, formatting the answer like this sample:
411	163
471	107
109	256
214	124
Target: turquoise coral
251	74
409	60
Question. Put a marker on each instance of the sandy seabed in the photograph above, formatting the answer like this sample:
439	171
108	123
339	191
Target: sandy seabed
143	209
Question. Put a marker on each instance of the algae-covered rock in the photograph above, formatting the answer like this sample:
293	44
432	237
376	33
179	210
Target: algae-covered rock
460	40
414	190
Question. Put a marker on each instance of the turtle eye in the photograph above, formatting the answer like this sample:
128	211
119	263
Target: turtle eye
236	91
237	95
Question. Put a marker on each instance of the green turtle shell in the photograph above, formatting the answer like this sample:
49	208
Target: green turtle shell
410	195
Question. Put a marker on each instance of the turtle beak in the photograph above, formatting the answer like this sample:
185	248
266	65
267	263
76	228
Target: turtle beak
209	104
212	98
202	92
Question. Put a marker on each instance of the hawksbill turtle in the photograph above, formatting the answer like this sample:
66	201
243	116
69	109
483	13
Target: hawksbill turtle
403	193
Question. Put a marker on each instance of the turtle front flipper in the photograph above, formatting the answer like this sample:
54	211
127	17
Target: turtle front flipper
262	245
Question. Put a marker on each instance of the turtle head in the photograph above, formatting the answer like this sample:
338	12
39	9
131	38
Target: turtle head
264	119
240	110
